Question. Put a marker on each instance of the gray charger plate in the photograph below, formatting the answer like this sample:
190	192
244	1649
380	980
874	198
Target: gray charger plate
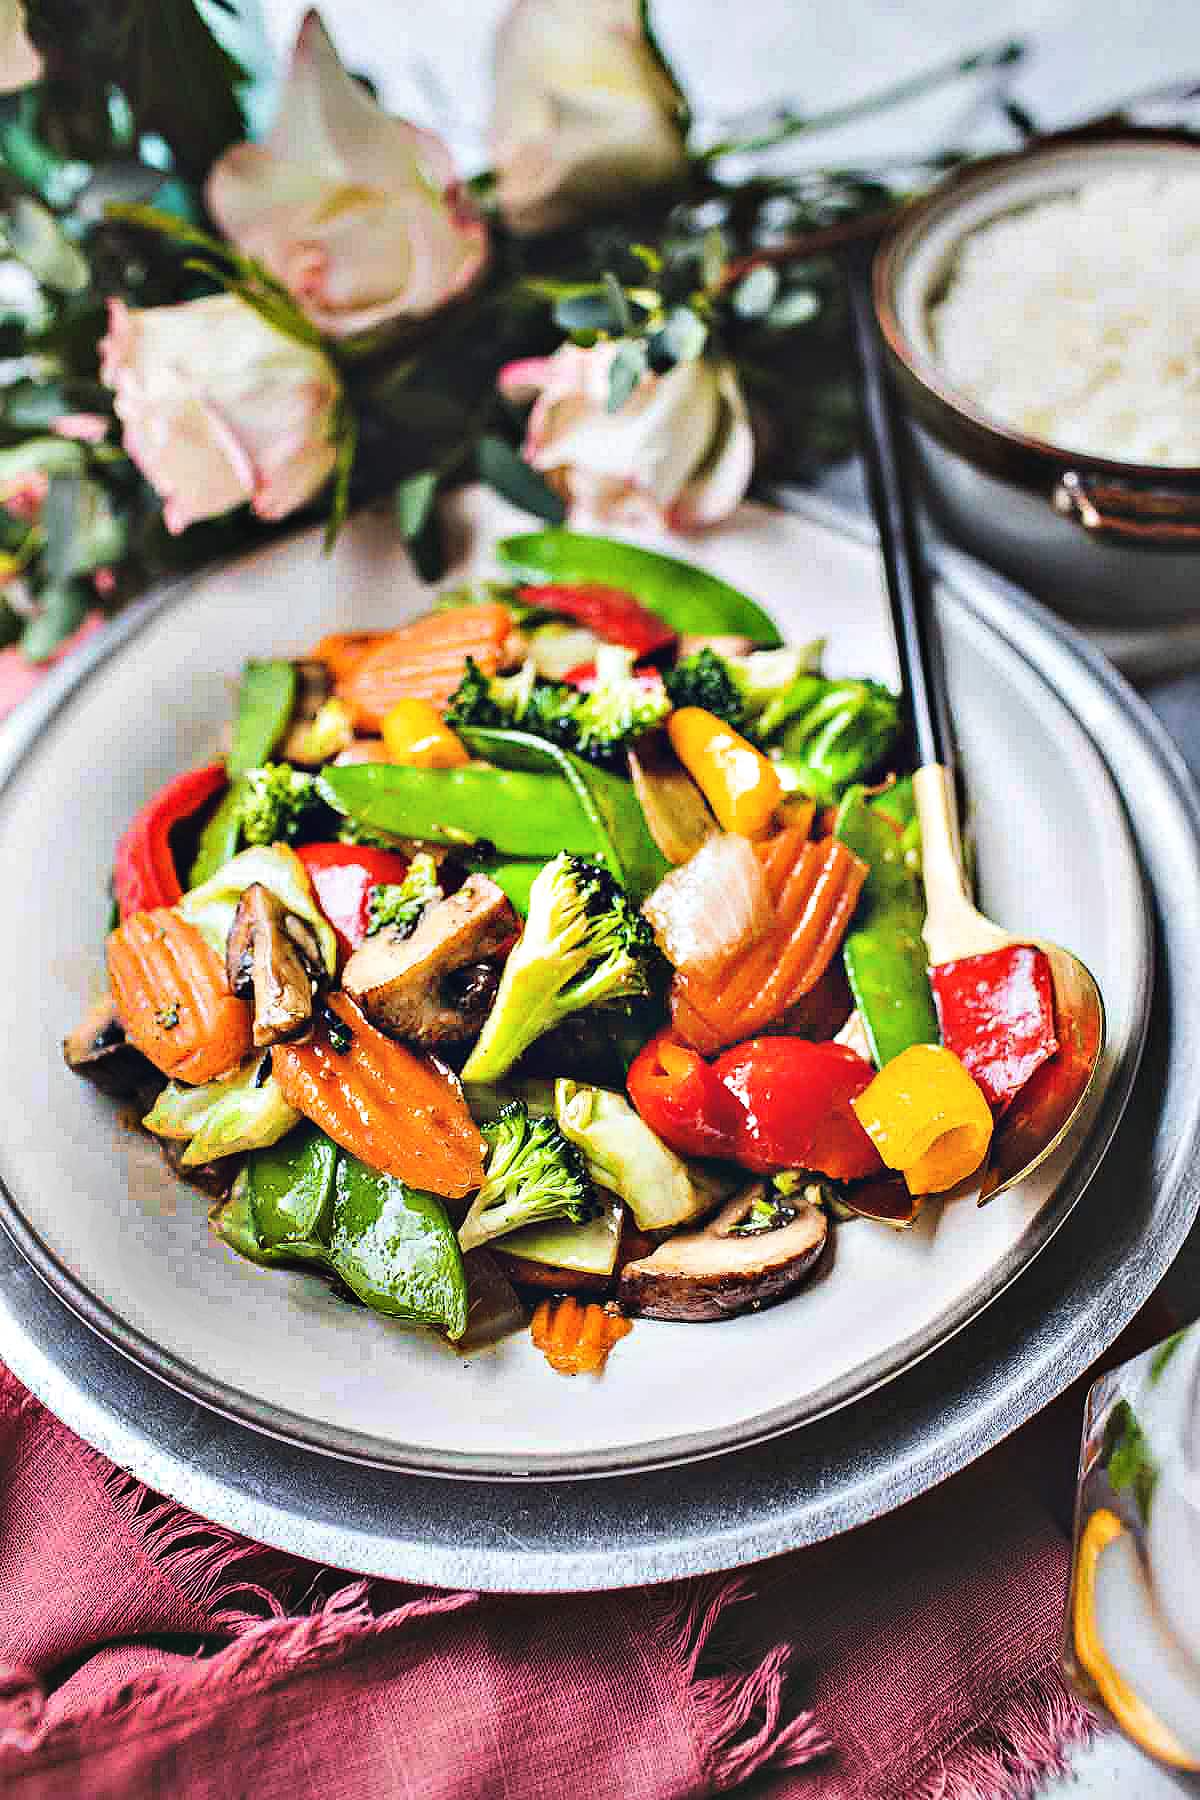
841	1469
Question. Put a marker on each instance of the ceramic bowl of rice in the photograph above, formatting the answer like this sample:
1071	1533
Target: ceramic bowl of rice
1042	314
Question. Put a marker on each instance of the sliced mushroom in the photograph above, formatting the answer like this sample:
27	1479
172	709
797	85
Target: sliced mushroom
314	685
721	644
273	957
726	1268
99	1050
436	985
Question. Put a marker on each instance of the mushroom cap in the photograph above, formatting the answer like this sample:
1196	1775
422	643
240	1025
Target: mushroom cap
717	1273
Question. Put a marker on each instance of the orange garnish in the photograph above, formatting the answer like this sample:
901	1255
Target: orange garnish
424	660
814	889
575	1339
397	1112
1131	1713
173	999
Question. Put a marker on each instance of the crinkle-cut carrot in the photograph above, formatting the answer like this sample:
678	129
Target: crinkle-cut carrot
173	999
397	1112
342	651
425	660
575	1339
814	889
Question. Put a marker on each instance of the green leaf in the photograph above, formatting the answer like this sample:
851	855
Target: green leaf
1165	1352
755	293
38	240
346	430
712	259
683	335
413	502
589	312
1126	1456
61	611
82	530
618	299
503	469
628	367
793	309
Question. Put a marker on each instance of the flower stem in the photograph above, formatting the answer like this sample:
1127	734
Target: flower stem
791	124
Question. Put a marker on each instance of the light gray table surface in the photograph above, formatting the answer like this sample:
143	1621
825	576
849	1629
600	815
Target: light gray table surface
429	59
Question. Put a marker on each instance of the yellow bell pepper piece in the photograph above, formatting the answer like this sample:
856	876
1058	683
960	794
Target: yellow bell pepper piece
927	1117
1131	1714
738	782
415	733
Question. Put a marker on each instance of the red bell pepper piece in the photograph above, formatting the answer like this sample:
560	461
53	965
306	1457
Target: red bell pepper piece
343	876
682	1100
795	1098
144	873
610	612
996	1013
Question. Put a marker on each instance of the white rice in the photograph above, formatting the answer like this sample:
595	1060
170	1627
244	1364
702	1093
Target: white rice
1078	319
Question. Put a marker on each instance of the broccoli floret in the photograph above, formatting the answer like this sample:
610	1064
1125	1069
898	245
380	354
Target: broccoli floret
619	708
275	802
705	680
847	729
754	693
533	1173
583	945
401	903
597	724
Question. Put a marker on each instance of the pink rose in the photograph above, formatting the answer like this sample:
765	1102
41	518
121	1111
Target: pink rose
680	450
360	215
586	113
20	63
219	408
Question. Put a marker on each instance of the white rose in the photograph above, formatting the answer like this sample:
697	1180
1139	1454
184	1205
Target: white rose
358	214
680	450
585	112
218	408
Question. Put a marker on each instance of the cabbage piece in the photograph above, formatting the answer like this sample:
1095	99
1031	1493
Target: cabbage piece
223	1118
624	1156
211	906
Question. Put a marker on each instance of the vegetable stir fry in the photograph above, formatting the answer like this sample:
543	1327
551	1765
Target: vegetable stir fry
543	940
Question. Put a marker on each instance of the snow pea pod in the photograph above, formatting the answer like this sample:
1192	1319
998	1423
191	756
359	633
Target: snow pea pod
393	1246
304	1200
523	814
689	599
609	803
266	696
529	799
884	951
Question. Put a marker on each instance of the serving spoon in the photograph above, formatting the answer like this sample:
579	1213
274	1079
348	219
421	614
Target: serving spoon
1043	1111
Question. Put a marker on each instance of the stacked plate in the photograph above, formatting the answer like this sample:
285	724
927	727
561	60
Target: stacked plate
262	1402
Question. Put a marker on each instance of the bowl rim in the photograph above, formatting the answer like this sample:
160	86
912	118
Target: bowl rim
1014	455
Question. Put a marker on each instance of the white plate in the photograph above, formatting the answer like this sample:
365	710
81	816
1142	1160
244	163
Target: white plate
129	1247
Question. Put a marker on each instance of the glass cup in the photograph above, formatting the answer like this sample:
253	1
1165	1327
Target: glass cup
1132	1637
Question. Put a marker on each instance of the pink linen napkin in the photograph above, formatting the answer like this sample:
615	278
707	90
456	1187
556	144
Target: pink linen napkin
146	1654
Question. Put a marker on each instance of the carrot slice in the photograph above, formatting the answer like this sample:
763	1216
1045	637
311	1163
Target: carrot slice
399	1113
424	660
575	1339
342	651
814	888
173	999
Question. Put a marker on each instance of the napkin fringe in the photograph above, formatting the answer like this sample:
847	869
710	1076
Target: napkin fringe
207	1564
270	1651
737	1713
1026	1743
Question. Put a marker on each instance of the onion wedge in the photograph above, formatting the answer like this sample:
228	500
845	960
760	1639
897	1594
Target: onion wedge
707	911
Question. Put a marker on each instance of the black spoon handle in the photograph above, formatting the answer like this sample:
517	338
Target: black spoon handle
895	513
